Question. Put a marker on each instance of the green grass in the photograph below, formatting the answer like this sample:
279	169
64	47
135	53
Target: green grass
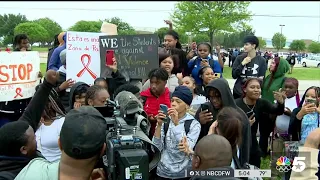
40	49
298	73
43	67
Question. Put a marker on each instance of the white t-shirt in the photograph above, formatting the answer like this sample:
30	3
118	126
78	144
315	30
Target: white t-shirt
283	121
47	140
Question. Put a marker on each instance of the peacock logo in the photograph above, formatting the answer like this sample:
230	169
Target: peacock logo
283	164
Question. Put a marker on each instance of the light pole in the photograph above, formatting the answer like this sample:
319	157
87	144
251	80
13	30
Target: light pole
281	26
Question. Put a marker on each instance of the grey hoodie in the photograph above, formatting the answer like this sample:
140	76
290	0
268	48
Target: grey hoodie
173	162
227	101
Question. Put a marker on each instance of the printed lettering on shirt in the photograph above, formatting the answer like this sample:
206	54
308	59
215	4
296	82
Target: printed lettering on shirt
249	71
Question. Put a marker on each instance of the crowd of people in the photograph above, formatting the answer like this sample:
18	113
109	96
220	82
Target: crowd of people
58	134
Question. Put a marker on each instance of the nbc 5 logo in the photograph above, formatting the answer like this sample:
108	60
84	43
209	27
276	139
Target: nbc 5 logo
298	164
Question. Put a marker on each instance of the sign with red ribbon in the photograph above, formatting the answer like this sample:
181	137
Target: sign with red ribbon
18	74
83	56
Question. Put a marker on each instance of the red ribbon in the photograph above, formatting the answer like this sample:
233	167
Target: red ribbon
85	66
18	92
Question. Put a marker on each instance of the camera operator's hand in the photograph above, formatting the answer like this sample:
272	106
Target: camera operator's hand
98	174
173	113
205	116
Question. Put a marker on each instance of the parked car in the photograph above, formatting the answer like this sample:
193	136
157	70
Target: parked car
313	61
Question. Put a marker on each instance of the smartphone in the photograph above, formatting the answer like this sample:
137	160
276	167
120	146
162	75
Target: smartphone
206	60
164	109
204	107
217	75
311	101
109	57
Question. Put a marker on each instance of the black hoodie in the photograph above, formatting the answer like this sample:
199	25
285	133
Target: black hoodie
227	101
32	115
71	94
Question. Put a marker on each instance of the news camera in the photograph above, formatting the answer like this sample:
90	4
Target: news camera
127	157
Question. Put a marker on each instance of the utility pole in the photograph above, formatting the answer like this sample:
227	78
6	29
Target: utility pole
281	26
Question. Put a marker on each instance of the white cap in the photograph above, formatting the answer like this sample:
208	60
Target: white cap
109	29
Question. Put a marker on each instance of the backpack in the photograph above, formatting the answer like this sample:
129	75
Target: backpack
187	125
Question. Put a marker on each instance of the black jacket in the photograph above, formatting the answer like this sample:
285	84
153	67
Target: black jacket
32	115
227	100
63	95
113	83
295	124
216	178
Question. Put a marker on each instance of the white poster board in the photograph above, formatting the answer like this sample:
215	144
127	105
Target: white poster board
18	74
83	56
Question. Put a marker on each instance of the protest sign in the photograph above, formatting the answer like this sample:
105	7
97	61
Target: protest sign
136	55
18	74
83	56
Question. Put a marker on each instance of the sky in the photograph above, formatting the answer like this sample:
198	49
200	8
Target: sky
302	19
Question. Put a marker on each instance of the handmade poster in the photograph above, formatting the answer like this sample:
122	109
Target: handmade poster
136	55
83	56
18	74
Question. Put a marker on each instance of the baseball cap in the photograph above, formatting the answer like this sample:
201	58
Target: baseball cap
82	134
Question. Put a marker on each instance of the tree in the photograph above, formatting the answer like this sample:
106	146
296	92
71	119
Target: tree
298	45
51	26
203	37
124	28
262	43
35	31
7	24
86	26
161	33
314	47
210	16
279	41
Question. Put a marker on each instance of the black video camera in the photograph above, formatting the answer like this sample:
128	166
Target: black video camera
126	156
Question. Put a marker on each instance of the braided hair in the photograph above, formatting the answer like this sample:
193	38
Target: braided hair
54	108
316	89
295	82
92	92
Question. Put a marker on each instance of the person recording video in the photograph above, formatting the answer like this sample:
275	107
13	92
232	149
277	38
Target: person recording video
173	125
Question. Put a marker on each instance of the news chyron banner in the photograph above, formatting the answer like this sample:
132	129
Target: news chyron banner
229	172
18	74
